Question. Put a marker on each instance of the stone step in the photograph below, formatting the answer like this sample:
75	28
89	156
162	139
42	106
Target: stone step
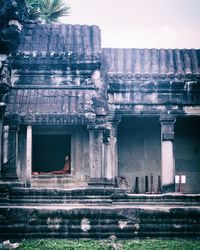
60	199
30	195
25	202
5	187
98	222
155	203
61	192
24	196
86	199
57	198
101	182
57	185
52	176
100	235
65	181
159	198
55	181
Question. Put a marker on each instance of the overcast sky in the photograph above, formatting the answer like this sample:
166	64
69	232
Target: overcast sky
141	23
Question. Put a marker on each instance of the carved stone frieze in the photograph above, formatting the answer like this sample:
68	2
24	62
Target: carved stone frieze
5	75
90	117
167	127
67	68
5	84
68	58
12	15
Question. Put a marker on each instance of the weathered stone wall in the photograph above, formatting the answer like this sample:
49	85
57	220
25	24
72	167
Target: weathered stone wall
80	152
98	222
187	152
21	161
60	38
139	150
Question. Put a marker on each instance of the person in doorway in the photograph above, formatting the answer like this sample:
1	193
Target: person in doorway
65	170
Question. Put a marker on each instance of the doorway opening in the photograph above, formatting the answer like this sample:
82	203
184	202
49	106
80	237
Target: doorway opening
139	152
187	152
49	153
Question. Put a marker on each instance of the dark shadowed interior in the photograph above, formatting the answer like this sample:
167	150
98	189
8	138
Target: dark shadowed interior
49	152
187	152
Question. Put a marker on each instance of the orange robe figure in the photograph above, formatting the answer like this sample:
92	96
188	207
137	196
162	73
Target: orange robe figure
65	170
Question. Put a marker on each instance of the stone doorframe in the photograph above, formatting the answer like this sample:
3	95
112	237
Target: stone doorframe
21	169
103	160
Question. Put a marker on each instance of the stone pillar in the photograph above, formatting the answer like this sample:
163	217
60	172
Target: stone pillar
5	83
10	143
96	152
21	169
5	144
167	153
1	126
111	154
28	154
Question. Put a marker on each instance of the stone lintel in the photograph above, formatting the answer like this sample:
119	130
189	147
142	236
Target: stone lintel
13	127
48	119
94	127
167	118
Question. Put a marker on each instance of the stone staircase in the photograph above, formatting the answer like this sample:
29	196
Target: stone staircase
32	196
96	212
55	181
172	199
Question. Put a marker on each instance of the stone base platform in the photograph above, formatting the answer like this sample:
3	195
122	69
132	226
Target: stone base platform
96	212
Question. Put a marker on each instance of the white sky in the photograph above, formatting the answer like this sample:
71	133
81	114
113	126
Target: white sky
141	23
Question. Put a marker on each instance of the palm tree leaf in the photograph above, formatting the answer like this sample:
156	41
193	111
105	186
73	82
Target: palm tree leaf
47	10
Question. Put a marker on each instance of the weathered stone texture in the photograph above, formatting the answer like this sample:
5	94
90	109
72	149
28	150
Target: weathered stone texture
49	101
120	219
151	63
80	39
110	103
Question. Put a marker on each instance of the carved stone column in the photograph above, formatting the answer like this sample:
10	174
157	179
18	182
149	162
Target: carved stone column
28	155
9	167
111	154
5	84
1	126
5	144
167	153
96	152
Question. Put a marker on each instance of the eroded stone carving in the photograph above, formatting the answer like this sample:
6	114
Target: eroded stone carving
12	15
167	127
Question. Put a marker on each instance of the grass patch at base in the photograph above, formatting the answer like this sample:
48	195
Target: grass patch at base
110	244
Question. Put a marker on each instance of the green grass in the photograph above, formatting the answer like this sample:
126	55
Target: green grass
108	245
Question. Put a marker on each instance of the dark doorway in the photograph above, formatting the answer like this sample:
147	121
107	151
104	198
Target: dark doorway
139	150
49	152
187	152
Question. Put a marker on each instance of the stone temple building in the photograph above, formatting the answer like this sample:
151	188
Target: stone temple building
128	119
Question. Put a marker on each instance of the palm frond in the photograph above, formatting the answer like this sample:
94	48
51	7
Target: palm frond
47	10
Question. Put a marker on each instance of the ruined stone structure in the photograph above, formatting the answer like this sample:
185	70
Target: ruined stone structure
128	119
121	112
